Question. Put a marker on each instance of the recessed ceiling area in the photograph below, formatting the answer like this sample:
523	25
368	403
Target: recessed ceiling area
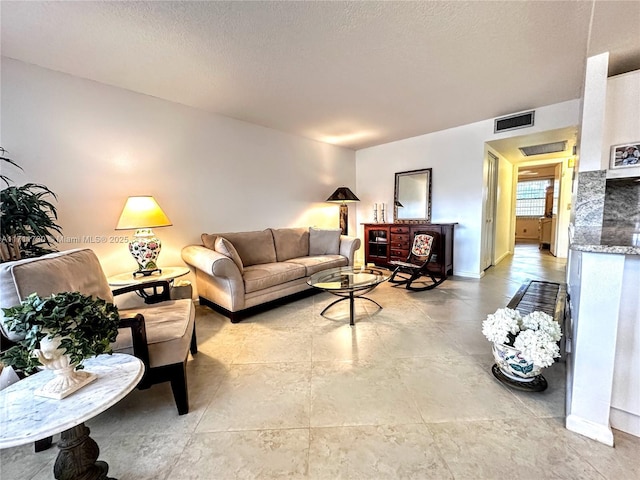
510	147
354	74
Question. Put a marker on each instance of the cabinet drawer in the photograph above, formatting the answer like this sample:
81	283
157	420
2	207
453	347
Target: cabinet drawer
399	254
399	230
400	245
400	237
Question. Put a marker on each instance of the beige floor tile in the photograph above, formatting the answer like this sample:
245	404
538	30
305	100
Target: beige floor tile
260	396
266	454
346	393
517	449
375	452
342	342
141	457
271	344
406	340
457	389
22	463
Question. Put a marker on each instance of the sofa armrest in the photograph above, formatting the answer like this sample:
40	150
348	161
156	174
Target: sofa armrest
348	247
210	262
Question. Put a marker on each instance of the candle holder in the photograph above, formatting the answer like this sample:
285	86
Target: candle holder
375	213
382	213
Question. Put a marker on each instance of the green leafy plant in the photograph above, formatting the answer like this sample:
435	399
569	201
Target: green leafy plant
28	218
86	325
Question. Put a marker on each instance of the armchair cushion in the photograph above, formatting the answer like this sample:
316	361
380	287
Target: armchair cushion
168	325
71	271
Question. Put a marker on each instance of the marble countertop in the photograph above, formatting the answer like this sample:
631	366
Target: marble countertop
25	417
620	239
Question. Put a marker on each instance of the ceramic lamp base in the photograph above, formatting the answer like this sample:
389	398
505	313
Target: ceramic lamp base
145	249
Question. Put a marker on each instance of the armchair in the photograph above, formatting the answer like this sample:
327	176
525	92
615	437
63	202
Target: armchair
160	334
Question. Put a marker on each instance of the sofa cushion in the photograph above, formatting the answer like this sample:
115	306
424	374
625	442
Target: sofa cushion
321	262
324	242
290	242
259	277
253	247
226	248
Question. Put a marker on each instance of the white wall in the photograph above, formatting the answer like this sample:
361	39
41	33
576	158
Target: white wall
621	121
94	145
456	156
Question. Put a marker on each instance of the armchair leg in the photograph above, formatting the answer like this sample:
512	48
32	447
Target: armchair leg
194	342
179	387
42	445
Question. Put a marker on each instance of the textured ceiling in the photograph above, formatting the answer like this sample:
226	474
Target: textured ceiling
354	74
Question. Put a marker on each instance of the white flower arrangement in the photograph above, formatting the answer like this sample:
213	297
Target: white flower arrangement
536	335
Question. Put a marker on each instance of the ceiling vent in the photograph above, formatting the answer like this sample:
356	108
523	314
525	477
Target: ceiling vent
513	122
543	149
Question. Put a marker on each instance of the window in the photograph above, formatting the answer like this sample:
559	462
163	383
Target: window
530	198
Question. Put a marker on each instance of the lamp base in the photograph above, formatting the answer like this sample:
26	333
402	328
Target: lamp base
344	218
145	249
146	273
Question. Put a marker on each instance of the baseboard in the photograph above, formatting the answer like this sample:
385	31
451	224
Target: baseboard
625	421
469	274
502	257
595	431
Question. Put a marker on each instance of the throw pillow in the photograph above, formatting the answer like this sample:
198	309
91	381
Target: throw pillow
324	242
226	248
209	240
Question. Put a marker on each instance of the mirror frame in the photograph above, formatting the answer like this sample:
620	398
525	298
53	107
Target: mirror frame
398	175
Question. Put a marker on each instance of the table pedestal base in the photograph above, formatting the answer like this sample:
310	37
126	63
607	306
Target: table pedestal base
351	297
78	455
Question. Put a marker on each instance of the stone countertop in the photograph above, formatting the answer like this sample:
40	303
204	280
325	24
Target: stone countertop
620	239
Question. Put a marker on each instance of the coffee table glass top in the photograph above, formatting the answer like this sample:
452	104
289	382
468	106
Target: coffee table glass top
348	278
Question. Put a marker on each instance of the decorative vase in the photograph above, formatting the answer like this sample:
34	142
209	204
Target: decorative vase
512	365
66	378
145	248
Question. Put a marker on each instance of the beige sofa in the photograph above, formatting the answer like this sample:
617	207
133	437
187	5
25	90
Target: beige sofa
236	272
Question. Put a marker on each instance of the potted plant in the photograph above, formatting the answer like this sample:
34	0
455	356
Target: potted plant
28	218
522	346
60	331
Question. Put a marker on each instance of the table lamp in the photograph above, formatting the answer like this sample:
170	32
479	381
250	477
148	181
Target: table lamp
343	196
143	213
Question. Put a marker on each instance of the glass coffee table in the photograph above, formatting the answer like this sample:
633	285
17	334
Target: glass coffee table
349	283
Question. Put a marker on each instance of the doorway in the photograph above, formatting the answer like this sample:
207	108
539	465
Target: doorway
517	162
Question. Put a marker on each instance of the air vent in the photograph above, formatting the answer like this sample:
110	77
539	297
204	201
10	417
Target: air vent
543	149
513	122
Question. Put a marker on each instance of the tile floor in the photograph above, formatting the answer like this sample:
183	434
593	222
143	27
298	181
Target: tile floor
406	393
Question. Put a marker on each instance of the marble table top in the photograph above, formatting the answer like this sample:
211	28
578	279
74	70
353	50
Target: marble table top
620	239
25	417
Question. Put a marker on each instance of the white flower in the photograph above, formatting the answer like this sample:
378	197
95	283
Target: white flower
536	334
498	325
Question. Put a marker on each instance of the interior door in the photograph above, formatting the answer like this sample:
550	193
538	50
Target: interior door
490	202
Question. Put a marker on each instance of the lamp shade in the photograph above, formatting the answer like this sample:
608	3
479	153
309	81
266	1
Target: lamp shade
343	195
142	212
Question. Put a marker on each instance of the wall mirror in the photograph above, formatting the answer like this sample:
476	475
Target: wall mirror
412	196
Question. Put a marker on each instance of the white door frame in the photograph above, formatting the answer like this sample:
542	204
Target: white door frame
487	256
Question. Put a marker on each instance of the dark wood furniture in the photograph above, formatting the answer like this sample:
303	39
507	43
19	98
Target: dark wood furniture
387	242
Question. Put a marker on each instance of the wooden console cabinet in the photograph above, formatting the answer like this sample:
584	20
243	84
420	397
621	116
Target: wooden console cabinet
384	242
